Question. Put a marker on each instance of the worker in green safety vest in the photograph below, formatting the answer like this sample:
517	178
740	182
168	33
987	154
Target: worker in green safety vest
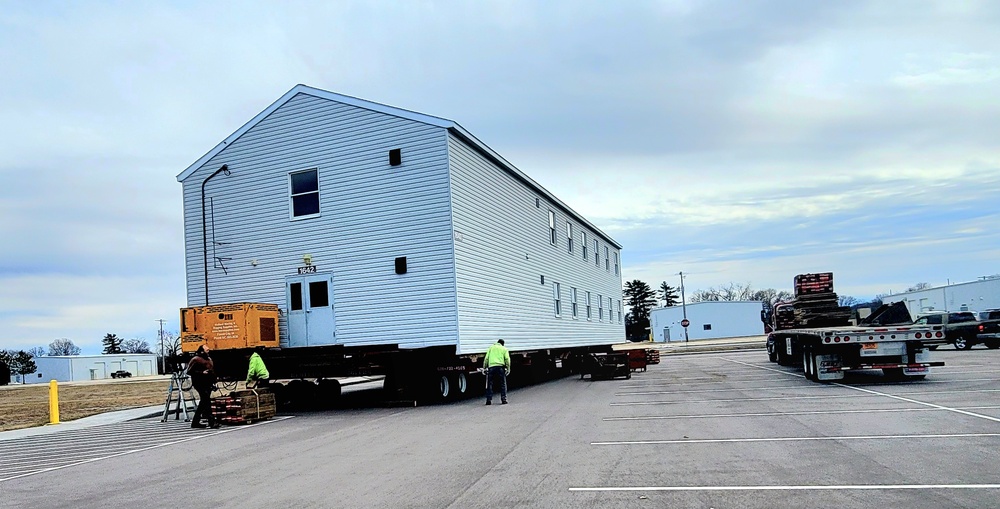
257	374
497	365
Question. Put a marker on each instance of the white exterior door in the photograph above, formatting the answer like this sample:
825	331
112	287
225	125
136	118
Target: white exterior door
310	310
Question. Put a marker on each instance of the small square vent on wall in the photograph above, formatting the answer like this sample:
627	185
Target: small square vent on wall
396	157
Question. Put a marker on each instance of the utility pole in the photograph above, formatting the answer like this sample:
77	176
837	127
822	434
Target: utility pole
684	306
163	360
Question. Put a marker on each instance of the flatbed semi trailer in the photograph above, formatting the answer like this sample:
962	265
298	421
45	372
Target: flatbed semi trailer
825	354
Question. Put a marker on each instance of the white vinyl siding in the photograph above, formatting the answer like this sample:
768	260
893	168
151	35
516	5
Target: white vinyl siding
471	227
380	213
504	296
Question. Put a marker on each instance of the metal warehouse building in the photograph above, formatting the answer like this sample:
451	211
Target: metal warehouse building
709	320
367	224
74	368
971	296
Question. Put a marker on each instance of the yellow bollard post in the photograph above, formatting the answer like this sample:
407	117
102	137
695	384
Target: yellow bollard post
53	402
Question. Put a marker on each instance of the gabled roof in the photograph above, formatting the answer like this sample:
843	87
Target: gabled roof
451	126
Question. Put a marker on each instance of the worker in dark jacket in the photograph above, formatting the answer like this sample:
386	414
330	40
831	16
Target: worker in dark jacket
202	372
497	364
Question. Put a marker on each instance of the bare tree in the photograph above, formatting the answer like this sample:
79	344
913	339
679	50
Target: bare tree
847	301
37	351
63	346
135	345
171	343
730	292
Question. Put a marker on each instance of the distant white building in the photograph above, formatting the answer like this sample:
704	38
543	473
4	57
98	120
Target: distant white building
971	296
74	368
708	320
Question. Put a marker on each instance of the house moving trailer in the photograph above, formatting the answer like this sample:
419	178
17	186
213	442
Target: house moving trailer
349	238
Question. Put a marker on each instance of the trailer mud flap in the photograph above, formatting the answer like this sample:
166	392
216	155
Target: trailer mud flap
920	356
829	367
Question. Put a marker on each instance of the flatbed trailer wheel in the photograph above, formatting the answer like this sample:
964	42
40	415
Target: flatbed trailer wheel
809	364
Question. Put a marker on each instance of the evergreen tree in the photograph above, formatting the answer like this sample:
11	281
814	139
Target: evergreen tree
22	364
112	344
640	298
668	295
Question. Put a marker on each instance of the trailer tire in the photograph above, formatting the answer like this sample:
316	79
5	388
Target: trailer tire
444	387
772	355
459	385
809	363
780	348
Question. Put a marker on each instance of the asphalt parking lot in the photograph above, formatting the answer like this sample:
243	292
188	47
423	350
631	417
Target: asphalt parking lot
714	430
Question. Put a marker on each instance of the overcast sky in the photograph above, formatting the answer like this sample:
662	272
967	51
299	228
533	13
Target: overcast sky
739	141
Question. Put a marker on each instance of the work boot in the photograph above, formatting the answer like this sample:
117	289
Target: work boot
488	402
504	402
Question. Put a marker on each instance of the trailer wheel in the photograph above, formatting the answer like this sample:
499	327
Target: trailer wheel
459	385
780	347
809	364
444	387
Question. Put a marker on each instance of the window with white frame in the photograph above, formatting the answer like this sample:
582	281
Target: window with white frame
611	310
607	260
600	308
569	236
572	300
619	311
556	299
583	245
589	315
616	263
552	227
304	193
597	254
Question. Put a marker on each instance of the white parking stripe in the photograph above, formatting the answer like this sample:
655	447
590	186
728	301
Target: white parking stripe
900	398
798	488
777	414
197	436
793	439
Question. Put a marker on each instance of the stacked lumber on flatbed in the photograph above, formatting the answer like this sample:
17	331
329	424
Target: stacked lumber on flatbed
242	407
815	304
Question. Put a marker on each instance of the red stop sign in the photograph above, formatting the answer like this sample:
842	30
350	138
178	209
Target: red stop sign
685	322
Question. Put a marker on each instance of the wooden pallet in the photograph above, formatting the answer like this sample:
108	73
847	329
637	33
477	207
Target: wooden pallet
242	407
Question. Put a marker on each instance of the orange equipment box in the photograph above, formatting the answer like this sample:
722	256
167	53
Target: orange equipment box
229	326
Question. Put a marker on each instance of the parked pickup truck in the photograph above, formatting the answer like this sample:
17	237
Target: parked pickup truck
121	373
960	328
989	328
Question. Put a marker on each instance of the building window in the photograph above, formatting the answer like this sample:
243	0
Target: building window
552	227
611	310
588	307
616	263
597	255
569	236
583	245
572	299
304	187
556	298
607	260
707	326
600	308
619	312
